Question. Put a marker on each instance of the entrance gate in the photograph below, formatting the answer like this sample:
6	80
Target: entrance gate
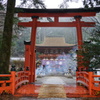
30	55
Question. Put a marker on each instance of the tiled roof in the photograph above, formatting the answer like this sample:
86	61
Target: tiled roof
55	41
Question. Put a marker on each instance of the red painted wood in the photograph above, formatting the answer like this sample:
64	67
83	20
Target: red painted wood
49	24
90	82
56	19
13	81
25	24
27	56
57	24
87	24
32	49
84	14
79	40
79	33
33	91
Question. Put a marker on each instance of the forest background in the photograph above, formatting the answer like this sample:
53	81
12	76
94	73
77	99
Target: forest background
11	32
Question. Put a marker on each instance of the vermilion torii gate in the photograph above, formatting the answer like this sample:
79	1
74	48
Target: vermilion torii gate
55	13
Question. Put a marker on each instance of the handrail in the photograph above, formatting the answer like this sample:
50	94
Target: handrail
88	80
6	84
96	86
83	78
15	80
5	75
22	77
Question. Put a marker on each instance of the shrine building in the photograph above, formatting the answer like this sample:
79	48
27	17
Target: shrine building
52	47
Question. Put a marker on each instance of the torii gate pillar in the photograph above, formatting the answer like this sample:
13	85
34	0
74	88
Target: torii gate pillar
79	38
79	31
32	49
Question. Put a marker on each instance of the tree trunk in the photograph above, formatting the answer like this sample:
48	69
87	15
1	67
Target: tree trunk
7	38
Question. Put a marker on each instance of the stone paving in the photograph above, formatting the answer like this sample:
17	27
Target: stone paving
56	80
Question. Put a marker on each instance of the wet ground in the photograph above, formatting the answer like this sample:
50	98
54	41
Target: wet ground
49	80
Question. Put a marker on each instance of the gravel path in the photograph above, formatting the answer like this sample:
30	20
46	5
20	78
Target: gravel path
56	80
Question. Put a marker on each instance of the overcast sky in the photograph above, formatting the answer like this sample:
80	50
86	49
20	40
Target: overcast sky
55	3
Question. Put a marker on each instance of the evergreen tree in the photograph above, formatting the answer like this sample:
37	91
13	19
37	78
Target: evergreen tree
86	3
33	4
6	40
1	5
90	52
7	37
91	3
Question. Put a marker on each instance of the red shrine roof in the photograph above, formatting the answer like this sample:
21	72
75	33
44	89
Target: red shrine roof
55	42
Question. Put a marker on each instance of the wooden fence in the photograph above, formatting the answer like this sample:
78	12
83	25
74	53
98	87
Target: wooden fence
17	79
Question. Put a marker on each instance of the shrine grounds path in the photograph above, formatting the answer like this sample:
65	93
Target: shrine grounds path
56	80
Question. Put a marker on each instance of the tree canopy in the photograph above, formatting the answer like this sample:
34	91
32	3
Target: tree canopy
91	49
32	4
6	39
86	3
5	50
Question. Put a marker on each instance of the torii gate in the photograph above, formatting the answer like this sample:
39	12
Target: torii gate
56	13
